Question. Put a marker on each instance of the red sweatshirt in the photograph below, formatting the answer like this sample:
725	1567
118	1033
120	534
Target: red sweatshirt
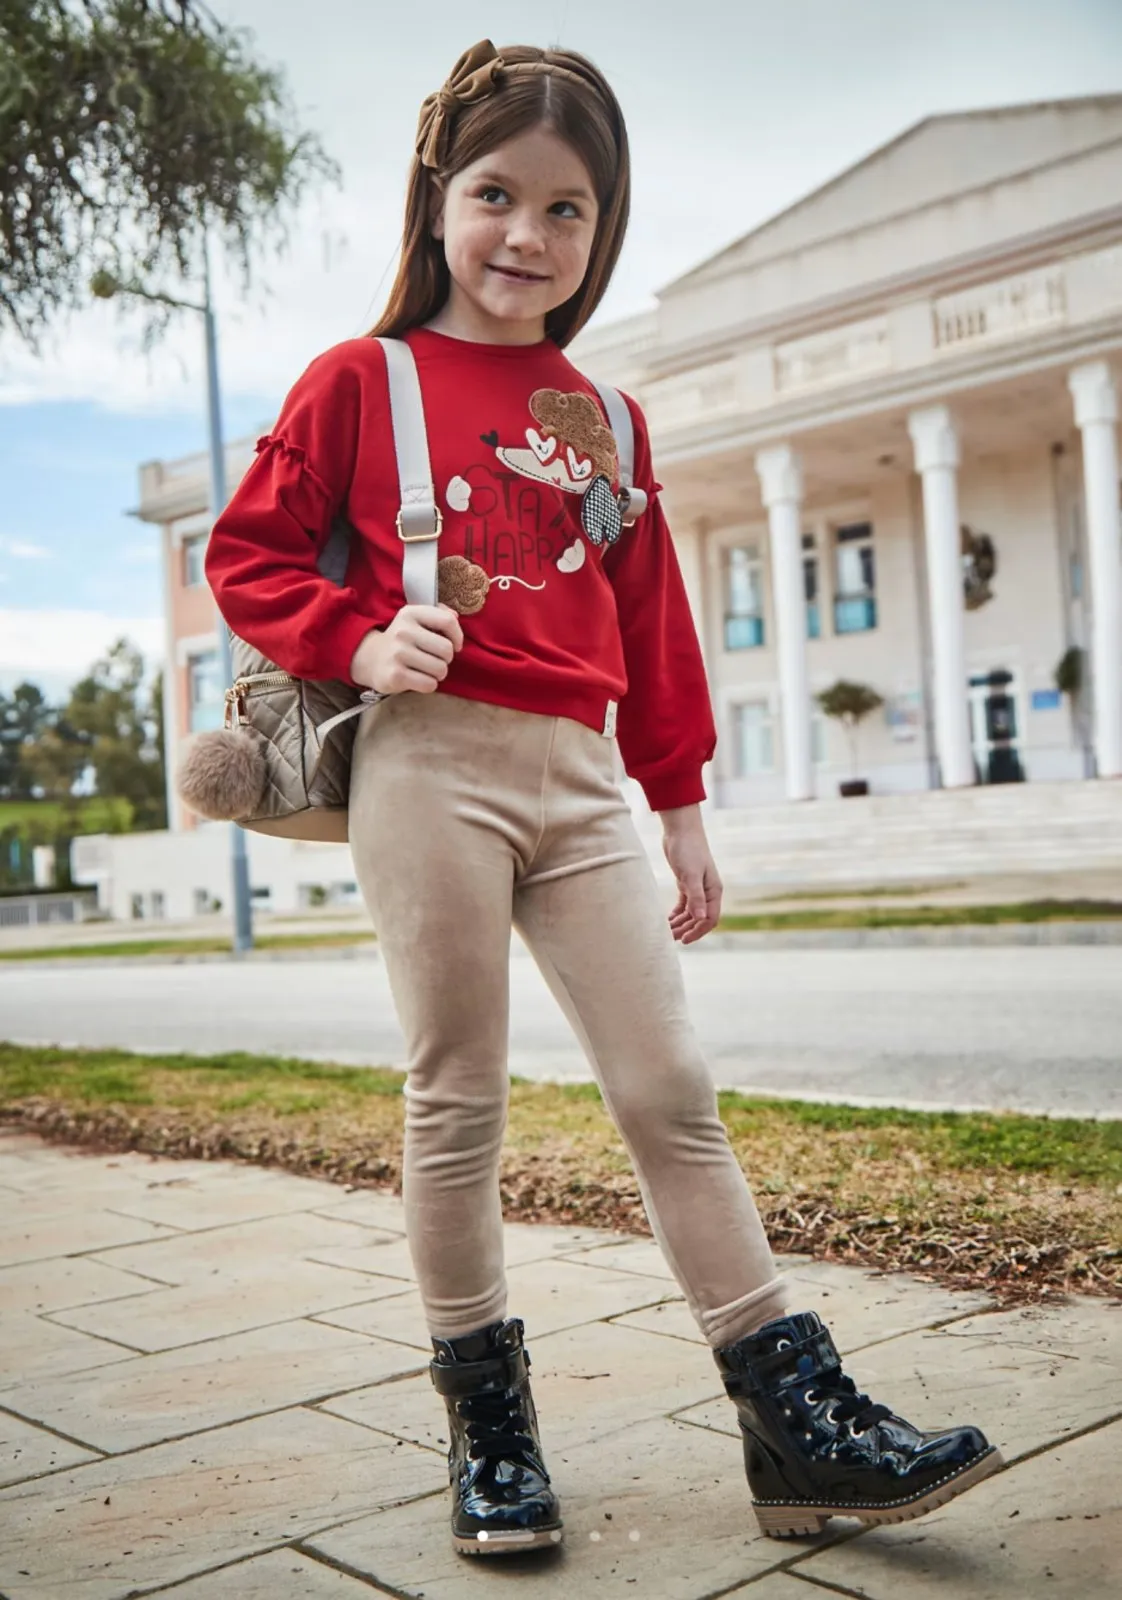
568	627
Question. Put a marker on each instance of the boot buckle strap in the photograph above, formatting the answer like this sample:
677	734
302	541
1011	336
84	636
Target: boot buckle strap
462	1378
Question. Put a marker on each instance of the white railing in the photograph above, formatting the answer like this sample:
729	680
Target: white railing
1000	310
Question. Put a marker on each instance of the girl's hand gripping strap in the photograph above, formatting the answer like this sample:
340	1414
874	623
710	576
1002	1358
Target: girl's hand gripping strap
619	420
419	520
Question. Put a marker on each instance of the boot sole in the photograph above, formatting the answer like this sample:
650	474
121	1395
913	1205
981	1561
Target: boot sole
503	1542
794	1520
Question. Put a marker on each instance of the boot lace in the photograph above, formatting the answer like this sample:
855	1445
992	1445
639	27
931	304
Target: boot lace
497	1424
846	1403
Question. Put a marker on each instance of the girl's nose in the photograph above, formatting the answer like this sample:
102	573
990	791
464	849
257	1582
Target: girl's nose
525	233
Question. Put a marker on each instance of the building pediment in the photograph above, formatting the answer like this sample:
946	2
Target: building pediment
931	165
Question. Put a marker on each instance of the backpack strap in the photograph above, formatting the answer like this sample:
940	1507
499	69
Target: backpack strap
419	521
619	420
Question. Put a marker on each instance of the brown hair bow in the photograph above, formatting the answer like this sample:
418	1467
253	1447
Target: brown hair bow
471	79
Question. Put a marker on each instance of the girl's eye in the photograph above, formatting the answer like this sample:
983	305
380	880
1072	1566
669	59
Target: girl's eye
572	210
490	191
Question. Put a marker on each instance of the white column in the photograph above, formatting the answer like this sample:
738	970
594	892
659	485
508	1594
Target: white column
1096	413
936	456
781	481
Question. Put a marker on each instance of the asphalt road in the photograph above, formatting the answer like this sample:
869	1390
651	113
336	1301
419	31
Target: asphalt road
1029	1028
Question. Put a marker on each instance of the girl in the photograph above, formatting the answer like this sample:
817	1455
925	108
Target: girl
484	794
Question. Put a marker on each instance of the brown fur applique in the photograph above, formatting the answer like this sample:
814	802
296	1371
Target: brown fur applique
461	585
575	420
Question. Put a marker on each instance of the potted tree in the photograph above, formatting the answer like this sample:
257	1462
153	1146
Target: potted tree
849	704
1068	678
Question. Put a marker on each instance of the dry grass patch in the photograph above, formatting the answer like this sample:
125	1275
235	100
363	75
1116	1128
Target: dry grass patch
1024	1207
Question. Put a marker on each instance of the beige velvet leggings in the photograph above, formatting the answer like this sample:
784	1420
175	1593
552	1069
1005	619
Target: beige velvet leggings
466	819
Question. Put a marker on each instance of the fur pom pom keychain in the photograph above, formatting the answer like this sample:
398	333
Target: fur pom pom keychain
223	774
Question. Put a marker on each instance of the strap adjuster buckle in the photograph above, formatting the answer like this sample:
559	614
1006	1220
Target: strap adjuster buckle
420	538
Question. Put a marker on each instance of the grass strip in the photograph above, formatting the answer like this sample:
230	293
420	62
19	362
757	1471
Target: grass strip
1026	911
1026	1208
190	947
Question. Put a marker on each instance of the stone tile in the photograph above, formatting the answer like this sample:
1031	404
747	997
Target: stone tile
779	1586
62	1282
1024	1392
637	1255
33	1347
68	1231
178	1509
280	1290
1051	1526
858	1307
688	1505
235	1250
588	1382
1083	1327
64	1169
26	1451
207	1200
382	1253
523	1242
371	1208
145	1399
547	1295
868	1306
284	1575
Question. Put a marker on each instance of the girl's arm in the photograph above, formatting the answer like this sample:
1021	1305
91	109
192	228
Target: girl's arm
261	557
665	725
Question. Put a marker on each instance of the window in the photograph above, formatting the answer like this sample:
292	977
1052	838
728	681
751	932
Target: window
136	907
810	586
744	597
205	692
194	554
159	905
855	589
754	739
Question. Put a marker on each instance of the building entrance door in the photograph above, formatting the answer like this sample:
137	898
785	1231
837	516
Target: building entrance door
993	727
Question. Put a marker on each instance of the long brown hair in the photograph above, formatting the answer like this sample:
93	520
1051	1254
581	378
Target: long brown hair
577	104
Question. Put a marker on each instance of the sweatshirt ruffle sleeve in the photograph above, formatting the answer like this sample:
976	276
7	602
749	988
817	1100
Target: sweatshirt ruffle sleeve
262	553
665	726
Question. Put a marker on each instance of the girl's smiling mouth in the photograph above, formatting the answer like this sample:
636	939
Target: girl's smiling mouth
517	275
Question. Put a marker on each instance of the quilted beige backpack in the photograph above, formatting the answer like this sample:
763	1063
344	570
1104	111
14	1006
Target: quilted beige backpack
282	762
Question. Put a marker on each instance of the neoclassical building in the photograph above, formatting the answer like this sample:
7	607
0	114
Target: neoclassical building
885	422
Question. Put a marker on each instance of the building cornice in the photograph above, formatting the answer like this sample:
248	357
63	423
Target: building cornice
1050	351
952	273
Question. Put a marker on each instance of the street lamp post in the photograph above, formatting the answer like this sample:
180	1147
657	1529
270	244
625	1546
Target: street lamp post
105	286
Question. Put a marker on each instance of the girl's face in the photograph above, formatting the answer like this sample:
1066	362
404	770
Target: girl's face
518	227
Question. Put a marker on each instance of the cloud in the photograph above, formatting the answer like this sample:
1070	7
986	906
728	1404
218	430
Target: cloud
24	550
60	645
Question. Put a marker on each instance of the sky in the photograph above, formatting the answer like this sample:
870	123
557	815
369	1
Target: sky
735	109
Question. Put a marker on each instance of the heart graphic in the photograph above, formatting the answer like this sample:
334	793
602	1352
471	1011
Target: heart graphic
573	558
600	515
544	449
491	438
578	467
458	494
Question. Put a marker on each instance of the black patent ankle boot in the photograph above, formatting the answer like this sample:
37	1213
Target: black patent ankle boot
503	1501
815	1448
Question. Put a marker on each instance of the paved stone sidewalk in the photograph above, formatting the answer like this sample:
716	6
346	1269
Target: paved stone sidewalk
212	1386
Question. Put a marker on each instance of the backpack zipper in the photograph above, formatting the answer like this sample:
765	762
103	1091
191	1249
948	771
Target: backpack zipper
253	683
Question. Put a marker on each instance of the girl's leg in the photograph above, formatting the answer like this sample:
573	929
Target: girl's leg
592	915
435	865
